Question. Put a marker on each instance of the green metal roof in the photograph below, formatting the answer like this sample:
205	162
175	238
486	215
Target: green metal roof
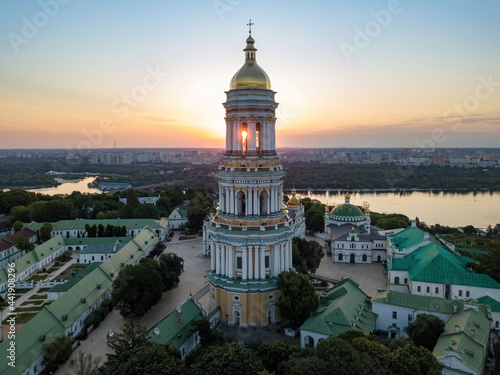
348	210
343	308
408	237
487	300
80	223
61	314
92	240
417	302
72	280
434	264
103	248
38	254
175	329
469	333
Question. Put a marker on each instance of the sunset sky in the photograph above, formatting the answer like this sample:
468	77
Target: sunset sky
87	73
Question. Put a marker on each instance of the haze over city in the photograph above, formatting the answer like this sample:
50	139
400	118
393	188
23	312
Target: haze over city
153	74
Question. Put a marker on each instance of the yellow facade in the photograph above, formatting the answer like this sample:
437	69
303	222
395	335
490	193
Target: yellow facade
246	308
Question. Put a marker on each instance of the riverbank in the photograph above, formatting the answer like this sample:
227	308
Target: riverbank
398	190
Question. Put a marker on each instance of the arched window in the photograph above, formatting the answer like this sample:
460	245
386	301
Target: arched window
241	203
396	280
364	258
308	342
264	202
467	294
341	256
257	136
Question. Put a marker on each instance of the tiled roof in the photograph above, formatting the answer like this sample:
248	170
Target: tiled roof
467	332
434	264
343	308
9	241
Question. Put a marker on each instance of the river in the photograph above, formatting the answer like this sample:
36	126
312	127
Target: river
67	187
451	209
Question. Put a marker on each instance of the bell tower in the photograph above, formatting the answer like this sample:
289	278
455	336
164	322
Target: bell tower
249	239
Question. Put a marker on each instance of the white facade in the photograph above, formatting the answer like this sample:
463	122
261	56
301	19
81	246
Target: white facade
176	219
358	248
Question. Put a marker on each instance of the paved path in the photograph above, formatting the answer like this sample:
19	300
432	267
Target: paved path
192	281
370	277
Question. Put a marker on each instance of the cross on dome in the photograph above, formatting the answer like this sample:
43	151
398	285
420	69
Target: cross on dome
249	24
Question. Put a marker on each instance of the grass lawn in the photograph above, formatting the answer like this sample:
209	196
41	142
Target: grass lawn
37	277
39	296
25	309
43	289
32	302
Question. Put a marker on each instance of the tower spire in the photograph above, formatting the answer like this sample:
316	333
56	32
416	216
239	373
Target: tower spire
249	24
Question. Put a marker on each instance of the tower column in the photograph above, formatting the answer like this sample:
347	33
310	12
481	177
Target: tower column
250	201
263	263
231	263
213	253
217	260
229	137
231	200
272	208
290	254
223	260
244	265
250	265
276	264
282	258
221	199
226	206
256	210
257	266
287	257
251	139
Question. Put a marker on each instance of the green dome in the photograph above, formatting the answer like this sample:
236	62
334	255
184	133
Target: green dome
348	211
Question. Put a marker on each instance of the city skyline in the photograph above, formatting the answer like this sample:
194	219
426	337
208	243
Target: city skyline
381	74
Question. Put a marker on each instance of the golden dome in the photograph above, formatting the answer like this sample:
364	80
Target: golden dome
293	202
251	75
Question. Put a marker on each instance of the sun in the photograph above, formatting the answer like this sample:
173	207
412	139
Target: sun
244	134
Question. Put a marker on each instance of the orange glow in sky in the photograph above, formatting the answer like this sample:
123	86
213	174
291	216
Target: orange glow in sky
154	74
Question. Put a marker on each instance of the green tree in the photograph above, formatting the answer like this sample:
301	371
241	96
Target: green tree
137	288
341	354
46	232
100	230
273	355
227	359
19	213
17	226
196	215
24	244
488	263
310	252
132	199
415	360
133	335
173	262
150	358
298	297
85	364
56	352
425	330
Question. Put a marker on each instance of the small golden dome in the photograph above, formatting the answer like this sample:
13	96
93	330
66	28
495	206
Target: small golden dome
293	202
251	75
